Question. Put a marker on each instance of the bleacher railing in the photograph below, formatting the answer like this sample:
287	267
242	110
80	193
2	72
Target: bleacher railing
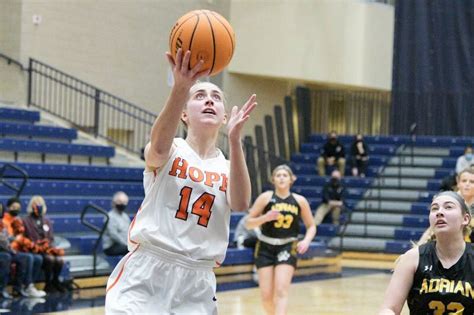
87	107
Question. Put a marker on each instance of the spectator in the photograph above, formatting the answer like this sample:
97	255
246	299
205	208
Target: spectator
333	199
333	154
244	237
116	234
28	264
39	229
360	156
5	261
13	210
25	267
465	161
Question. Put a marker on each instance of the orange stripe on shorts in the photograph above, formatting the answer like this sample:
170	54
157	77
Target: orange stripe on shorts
121	270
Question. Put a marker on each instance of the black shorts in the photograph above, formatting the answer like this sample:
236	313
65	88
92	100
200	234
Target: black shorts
272	255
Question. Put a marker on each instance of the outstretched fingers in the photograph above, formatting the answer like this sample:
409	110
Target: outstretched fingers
249	105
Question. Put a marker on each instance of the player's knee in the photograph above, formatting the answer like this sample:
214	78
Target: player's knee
281	292
267	296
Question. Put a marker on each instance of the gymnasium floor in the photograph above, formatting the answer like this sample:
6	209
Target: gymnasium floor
357	292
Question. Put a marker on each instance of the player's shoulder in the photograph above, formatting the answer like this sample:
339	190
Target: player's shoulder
410	258
299	198
265	196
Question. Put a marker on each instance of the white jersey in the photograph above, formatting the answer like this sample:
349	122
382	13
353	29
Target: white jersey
185	210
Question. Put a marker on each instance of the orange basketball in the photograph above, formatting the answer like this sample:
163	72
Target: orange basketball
207	35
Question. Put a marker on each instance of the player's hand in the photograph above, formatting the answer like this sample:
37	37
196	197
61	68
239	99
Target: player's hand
239	117
271	215
183	76
302	247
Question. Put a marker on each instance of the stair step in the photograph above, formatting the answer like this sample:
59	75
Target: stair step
401	183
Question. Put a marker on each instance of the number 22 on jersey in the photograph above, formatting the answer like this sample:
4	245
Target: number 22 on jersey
202	206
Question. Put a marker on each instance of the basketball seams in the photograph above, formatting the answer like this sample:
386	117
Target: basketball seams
173	34
227	30
192	34
213	43
200	36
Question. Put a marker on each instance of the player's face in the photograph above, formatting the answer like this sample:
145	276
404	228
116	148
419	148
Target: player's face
466	185
446	215
205	106
282	179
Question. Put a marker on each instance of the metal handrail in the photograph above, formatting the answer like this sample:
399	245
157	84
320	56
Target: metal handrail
347	219
13	61
99	230
18	169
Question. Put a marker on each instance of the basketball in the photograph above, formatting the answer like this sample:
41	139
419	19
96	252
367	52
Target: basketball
209	37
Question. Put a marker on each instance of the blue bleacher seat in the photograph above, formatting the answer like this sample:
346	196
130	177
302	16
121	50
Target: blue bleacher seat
56	148
17	114
7	128
66	171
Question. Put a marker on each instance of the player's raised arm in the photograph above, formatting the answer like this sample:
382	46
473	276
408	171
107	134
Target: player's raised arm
239	180
165	126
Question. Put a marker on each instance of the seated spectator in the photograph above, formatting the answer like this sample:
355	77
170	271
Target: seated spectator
243	237
116	234
39	229
464	161
13	210
28	265
5	261
333	154
360	156
25	266
333	197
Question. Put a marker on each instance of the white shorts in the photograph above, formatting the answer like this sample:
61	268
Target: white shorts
155	281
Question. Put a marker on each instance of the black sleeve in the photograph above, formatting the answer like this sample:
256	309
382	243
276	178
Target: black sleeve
325	150
341	153
326	197
366	149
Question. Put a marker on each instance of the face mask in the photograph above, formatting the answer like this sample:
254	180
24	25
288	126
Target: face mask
14	212
120	207
468	156
38	210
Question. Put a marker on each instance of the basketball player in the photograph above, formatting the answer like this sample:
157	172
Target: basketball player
278	213
181	230
437	277
465	186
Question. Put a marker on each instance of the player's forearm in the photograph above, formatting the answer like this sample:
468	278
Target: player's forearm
239	180
164	128
253	223
310	233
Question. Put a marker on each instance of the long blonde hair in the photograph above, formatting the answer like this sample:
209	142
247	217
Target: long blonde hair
36	201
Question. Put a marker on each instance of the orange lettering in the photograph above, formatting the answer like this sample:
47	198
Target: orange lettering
181	167
224	183
196	174
211	177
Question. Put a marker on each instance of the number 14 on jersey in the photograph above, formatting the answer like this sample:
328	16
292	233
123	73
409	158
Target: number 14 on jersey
202	206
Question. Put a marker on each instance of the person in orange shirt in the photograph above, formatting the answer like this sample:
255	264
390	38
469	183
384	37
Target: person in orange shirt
30	263
13	210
